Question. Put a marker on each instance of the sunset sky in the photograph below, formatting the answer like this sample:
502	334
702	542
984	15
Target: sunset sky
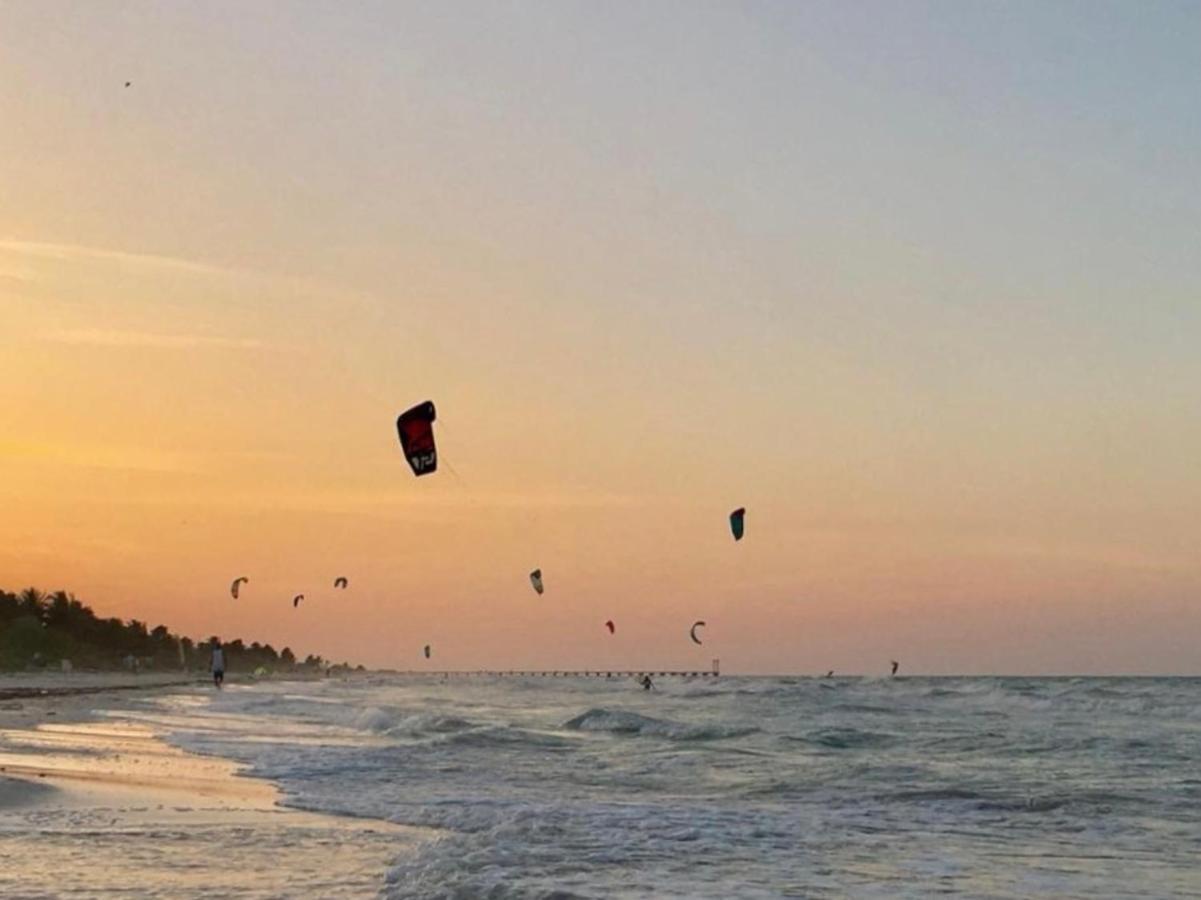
917	284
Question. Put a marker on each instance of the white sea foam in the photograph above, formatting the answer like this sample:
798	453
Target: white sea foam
742	787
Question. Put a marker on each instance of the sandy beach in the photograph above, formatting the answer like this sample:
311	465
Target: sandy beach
93	804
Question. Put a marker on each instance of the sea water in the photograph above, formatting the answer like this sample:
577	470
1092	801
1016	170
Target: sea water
740	787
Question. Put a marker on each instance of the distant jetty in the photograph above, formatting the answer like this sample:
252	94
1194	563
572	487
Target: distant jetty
714	672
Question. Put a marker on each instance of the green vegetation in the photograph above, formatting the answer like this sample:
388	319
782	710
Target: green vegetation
41	630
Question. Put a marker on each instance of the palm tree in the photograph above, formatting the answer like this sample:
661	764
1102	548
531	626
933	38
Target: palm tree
62	611
10	606
137	638
106	641
33	602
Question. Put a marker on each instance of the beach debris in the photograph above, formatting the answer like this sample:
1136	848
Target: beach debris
416	429
237	585
692	631
737	522
536	580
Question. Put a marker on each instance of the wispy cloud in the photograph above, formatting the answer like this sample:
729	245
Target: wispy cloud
30	252
96	337
77	252
21	275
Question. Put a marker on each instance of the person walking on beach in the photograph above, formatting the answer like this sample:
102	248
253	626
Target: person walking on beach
218	664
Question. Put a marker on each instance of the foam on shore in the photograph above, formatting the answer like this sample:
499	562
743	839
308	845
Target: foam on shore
91	805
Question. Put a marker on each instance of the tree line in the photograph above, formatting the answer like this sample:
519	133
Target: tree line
39	629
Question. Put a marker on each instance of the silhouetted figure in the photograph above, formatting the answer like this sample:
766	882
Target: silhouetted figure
646	683
218	664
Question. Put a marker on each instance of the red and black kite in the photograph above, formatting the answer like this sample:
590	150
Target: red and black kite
416	430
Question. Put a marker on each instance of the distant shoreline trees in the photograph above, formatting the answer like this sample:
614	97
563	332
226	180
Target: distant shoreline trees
40	630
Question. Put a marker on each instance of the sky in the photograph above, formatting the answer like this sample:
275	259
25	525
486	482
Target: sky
915	283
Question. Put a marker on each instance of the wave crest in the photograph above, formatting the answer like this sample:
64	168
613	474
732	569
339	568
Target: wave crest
616	721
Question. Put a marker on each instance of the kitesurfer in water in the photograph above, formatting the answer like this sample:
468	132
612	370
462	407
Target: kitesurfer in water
218	664
646	683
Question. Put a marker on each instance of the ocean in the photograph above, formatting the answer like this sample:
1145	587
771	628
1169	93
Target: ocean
738	787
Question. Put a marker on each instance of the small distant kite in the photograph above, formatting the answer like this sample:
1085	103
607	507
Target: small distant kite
612	628
340	582
296	600
128	83
536	580
895	665
236	586
737	522
416	429
427	651
692	631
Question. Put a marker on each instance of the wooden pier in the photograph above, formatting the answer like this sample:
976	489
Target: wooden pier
714	672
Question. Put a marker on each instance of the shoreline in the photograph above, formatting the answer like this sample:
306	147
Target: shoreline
160	821
33	691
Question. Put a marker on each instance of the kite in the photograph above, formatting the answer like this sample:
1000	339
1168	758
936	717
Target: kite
736	522
416	430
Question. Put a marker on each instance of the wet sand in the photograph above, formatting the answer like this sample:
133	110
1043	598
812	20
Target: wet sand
92	806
